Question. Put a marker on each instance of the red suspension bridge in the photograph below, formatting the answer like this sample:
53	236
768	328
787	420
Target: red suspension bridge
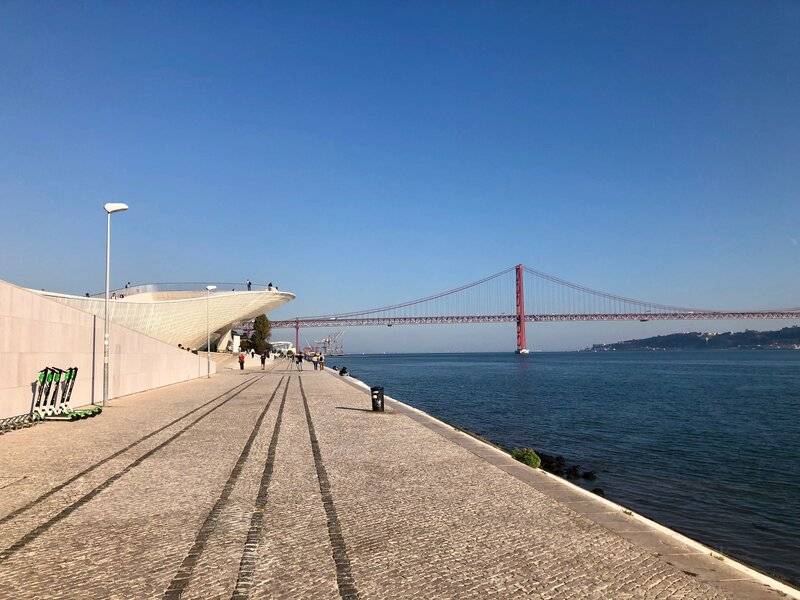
501	298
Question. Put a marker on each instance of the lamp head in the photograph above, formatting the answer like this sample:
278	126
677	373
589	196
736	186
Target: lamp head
112	207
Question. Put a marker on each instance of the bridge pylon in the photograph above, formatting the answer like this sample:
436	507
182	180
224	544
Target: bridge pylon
522	344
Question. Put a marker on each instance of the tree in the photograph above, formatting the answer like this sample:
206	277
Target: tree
262	330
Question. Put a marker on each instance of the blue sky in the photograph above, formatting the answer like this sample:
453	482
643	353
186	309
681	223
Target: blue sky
361	154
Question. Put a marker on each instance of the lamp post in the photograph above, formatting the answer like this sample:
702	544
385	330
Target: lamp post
209	289
110	208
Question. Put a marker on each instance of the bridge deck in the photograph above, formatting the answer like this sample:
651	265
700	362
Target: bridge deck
257	486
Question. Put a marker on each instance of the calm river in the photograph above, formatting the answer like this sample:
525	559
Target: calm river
705	442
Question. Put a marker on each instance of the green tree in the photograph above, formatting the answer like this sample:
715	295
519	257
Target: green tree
262	330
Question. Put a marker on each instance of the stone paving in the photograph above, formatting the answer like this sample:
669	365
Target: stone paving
283	485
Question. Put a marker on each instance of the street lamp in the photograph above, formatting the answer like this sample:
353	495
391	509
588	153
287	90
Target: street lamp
110	208
209	289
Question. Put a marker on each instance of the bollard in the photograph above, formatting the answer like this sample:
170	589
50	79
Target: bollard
377	398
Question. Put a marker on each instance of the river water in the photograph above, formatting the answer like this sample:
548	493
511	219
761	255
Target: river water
705	442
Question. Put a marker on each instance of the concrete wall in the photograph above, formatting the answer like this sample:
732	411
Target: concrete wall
37	332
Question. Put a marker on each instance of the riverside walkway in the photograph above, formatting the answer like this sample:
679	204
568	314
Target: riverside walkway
283	485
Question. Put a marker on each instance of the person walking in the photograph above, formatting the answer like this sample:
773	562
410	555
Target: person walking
321	362
263	360
241	361
249	285
299	361
315	361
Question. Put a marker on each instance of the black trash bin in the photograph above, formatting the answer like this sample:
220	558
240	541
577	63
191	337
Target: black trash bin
377	398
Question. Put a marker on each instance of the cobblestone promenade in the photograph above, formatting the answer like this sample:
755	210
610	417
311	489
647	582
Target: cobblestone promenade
280	485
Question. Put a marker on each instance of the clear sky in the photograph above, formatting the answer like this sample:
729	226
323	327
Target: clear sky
362	154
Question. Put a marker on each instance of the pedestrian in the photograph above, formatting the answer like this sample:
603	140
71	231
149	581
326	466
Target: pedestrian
249	285
241	361
299	361
127	285
315	361
321	362
263	360
269	286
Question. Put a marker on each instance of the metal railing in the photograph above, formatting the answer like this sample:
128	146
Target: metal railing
186	286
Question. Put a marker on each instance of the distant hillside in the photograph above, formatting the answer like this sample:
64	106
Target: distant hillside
786	338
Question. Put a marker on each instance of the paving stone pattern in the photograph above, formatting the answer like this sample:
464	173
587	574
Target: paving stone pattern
253	485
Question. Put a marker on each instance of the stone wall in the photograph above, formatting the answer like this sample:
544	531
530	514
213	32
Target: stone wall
36	332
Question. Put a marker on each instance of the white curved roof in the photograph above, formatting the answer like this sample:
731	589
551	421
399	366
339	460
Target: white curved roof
179	317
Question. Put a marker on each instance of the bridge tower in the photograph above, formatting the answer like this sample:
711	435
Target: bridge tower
297	335
522	345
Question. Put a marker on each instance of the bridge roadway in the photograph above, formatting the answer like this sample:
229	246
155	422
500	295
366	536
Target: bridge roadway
354	321
279	485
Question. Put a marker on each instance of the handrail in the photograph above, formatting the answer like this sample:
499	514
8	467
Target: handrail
185	286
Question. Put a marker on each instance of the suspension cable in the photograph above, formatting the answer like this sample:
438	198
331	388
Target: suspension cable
370	311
